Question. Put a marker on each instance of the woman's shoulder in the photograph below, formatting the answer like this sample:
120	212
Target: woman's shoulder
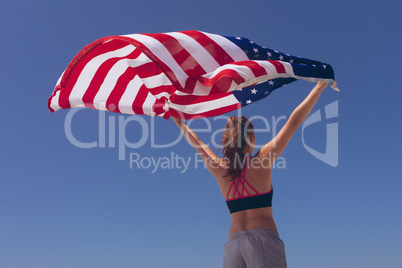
258	163
258	169
219	168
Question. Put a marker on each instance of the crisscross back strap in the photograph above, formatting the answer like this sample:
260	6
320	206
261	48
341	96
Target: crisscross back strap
241	180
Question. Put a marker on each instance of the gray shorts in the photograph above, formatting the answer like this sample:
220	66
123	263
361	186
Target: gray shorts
254	248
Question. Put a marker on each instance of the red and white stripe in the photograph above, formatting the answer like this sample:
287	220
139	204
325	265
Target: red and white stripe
187	72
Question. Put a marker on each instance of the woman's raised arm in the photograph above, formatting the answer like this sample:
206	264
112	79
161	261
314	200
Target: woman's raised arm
208	156
272	150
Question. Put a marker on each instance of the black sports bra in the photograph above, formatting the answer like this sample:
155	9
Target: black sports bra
247	201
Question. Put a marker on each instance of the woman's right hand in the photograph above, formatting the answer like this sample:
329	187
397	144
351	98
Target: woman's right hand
321	85
273	149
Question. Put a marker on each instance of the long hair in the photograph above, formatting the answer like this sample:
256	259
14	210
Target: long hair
234	140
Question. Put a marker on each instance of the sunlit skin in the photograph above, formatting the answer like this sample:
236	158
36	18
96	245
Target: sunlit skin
260	179
259	168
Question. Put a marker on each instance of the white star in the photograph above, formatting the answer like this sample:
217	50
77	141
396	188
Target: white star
325	66
280	57
238	38
269	54
314	66
239	89
271	83
251	42
291	61
248	101
255	50
254	91
266	92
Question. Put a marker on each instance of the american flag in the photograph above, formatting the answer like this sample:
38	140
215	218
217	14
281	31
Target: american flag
190	73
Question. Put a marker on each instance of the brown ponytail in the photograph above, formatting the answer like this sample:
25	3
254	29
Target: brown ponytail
234	140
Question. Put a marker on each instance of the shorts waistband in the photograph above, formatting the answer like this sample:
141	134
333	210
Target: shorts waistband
259	232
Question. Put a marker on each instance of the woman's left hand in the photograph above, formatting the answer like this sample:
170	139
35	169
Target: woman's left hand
178	121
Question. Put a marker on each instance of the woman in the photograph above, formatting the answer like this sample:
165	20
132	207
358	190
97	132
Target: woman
245	182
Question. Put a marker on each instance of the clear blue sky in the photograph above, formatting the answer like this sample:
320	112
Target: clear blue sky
63	206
